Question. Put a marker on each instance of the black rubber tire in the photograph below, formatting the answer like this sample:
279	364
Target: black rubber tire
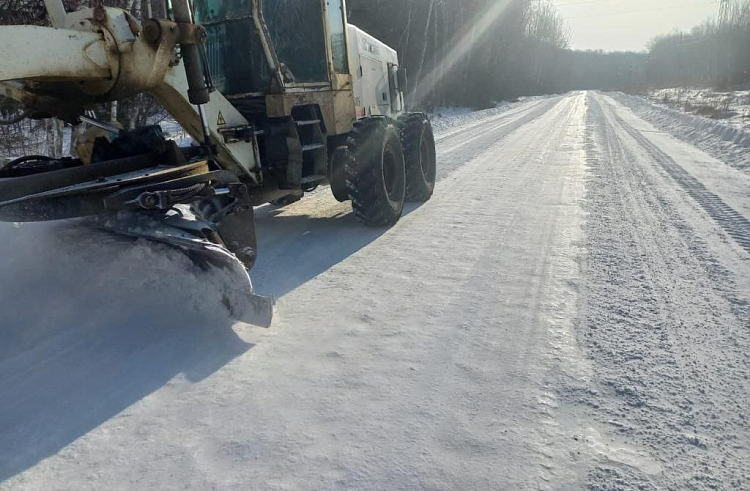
418	143
376	172
338	159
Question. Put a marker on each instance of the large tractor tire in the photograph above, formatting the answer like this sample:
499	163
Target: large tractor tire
418	143
375	172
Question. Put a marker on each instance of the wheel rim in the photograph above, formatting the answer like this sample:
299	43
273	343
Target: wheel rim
390	174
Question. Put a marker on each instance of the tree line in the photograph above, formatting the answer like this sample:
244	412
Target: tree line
475	52
467	52
715	53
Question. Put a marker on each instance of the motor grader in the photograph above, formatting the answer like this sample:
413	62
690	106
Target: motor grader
279	97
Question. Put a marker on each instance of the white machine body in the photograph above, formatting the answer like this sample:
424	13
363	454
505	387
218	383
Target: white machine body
375	72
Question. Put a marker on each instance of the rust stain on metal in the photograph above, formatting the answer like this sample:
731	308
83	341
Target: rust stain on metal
192	33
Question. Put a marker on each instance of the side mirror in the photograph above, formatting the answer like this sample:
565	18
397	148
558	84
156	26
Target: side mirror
403	80
395	76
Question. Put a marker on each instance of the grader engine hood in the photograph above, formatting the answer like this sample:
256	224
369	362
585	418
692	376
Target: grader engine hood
267	46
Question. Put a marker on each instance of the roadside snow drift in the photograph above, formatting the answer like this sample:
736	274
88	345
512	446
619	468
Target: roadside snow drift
722	140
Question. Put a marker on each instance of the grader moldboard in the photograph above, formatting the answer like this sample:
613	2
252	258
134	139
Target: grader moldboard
281	96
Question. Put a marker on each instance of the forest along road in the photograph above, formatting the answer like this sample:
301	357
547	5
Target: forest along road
571	310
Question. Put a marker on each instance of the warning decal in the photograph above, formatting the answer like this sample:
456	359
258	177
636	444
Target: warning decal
220	120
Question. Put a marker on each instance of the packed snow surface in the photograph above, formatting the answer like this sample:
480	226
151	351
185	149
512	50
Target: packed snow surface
569	311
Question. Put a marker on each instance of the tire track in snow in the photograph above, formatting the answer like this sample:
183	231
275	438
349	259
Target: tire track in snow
520	110
662	319
733	223
461	146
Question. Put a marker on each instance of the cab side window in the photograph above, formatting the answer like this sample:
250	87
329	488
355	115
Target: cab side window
337	33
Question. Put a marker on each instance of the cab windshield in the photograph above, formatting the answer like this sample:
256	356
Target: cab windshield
207	11
297	34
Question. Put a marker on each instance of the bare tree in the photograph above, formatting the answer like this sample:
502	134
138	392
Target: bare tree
714	53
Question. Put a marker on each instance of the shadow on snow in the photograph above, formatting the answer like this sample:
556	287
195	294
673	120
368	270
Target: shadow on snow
91	324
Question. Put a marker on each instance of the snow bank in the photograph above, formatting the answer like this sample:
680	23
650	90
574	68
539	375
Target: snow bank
446	118
726	142
732	108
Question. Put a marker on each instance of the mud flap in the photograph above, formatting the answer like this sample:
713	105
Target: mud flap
191	236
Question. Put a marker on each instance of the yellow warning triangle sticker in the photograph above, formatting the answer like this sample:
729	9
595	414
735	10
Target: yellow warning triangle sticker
221	120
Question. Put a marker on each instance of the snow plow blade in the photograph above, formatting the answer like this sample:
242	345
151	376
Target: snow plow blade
189	236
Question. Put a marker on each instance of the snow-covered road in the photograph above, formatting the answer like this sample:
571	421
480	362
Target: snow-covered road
571	310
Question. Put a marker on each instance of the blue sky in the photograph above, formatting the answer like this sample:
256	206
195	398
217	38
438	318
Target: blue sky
629	24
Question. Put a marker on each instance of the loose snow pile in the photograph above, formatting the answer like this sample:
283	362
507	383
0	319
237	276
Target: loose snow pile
62	279
92	324
721	139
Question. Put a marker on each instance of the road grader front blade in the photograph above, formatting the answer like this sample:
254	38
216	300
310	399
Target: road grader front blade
193	237
136	197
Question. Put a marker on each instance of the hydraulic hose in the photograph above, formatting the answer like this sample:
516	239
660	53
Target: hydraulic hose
198	92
